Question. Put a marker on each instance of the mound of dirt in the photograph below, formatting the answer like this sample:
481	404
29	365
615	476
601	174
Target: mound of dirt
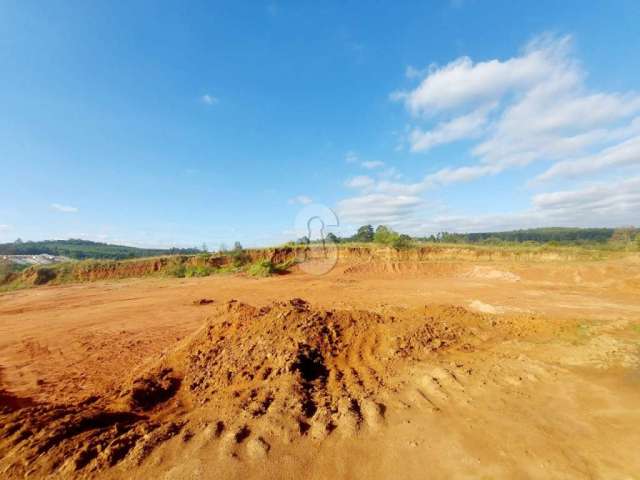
283	371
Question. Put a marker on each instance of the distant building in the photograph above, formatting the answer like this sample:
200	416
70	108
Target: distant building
41	259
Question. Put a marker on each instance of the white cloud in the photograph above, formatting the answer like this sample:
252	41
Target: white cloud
464	126
462	82
609	204
625	153
4	227
533	107
63	208
372	164
209	99
377	208
543	112
360	181
301	200
351	157
605	200
412	72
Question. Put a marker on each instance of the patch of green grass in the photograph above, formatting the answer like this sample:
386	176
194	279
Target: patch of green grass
228	269
262	268
178	270
266	268
197	271
581	334
286	265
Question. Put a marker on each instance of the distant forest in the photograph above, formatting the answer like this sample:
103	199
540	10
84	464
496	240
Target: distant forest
561	235
554	235
81	249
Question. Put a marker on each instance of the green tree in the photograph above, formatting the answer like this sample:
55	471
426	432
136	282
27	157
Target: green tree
364	234
384	235
331	237
401	241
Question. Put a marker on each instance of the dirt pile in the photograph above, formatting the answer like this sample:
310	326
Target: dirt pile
281	372
313	367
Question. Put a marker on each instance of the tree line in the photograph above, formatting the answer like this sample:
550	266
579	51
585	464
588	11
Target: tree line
384	234
83	249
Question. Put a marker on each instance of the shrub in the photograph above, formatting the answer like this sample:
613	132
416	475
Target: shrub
176	269
197	271
238	256
384	235
6	270
262	268
44	275
401	242
387	236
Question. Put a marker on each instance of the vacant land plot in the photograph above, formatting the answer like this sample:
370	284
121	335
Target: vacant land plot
386	367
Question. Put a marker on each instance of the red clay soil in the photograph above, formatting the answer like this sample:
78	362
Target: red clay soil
403	369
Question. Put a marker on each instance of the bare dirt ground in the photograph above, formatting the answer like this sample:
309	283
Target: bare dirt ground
443	369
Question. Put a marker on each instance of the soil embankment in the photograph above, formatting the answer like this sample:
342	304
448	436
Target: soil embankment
350	259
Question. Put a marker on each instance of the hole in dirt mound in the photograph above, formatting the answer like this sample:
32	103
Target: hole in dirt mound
310	364
242	434
150	391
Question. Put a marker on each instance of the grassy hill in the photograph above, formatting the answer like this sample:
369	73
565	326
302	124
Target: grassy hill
81	249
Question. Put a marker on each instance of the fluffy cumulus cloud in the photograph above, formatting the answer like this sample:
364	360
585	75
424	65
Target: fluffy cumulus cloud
534	109
63	208
462	83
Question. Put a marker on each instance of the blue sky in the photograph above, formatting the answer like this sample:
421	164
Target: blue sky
157	124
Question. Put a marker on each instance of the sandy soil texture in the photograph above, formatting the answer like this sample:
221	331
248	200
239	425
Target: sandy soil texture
434	369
